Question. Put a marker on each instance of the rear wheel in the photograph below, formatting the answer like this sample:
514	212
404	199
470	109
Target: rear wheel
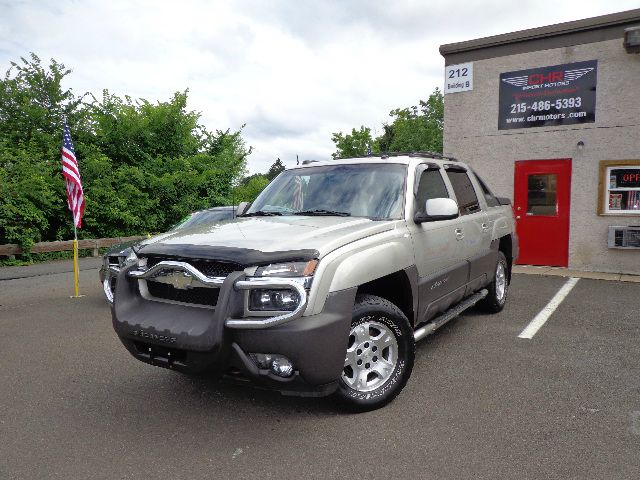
498	289
380	354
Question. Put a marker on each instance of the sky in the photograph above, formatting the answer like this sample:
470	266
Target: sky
292	72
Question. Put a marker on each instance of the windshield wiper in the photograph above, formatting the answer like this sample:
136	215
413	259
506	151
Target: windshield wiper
261	213
321	212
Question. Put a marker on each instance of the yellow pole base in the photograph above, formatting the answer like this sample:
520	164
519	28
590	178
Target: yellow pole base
76	288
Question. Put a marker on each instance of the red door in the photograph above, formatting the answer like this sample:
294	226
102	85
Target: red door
542	198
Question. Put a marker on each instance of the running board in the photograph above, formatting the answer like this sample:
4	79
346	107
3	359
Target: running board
449	315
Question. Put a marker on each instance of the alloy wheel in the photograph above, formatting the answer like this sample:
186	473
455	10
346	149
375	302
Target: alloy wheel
372	354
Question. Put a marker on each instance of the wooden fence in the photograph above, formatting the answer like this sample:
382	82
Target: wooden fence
11	249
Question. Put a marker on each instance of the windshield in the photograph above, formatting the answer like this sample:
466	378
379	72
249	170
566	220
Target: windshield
362	190
205	216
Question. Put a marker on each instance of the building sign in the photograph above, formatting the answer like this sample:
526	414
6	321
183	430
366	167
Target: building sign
458	78
548	96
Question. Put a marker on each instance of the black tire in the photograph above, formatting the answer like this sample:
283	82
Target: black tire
494	302
381	318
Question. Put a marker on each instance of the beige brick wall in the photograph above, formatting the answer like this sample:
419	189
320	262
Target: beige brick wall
471	134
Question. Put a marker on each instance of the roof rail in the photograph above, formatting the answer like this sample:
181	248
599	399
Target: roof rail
429	154
424	154
307	162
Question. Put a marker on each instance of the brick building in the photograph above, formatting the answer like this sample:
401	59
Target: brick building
551	117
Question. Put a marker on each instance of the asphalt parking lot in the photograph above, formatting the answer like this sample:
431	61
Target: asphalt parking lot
482	403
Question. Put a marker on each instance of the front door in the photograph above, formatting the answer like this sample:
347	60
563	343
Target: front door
443	270
542	198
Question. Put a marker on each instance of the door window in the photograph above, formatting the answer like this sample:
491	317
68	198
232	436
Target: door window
431	185
491	199
541	194
465	193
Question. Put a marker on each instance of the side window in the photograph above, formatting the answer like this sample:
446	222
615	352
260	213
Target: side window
491	199
431	185
465	193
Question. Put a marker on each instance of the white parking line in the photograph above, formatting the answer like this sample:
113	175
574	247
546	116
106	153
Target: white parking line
546	312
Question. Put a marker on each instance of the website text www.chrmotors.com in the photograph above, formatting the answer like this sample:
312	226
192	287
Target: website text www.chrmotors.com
548	116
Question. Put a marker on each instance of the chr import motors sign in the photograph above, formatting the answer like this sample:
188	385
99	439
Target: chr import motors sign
548	96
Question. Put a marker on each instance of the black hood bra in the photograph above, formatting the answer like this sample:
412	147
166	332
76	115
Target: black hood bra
243	256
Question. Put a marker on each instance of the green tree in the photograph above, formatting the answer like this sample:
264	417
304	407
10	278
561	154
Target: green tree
32	108
144	165
412	129
164	164
355	144
417	128
248	190
275	169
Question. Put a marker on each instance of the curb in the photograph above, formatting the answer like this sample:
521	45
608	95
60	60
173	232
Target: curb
567	272
48	268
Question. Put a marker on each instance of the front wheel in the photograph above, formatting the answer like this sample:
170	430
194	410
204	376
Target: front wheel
380	354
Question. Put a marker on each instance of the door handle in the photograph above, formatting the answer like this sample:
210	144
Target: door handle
485	227
459	234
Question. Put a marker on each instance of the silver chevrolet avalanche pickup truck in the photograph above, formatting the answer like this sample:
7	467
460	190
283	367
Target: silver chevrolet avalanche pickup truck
324	285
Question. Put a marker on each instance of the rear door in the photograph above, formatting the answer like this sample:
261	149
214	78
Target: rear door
475	229
542	198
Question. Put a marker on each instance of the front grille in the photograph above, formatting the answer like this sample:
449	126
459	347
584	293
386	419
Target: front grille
211	268
196	295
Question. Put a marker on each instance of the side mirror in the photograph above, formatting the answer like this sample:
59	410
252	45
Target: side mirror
438	209
242	207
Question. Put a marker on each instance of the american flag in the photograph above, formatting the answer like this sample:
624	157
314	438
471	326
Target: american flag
298	199
72	181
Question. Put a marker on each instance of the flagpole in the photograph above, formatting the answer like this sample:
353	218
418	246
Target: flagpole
75	260
75	196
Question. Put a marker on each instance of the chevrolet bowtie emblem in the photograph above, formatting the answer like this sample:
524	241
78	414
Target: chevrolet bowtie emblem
176	278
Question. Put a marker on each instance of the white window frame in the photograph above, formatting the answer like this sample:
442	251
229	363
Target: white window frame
608	190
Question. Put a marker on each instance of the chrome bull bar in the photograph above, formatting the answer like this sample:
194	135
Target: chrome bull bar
250	284
180	266
113	271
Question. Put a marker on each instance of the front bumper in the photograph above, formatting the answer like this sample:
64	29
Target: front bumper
219	341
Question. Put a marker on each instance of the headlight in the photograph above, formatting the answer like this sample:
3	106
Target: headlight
273	300
291	269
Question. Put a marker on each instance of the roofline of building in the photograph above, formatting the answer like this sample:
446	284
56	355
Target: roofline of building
599	28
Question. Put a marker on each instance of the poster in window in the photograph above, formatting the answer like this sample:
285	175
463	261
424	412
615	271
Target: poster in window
615	201
548	96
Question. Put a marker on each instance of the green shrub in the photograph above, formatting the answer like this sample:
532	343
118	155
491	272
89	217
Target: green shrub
144	165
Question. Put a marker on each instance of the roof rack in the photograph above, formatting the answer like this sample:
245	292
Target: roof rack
429	154
425	154
307	162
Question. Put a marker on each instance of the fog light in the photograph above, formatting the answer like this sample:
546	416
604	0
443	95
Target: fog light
281	366
277	364
261	360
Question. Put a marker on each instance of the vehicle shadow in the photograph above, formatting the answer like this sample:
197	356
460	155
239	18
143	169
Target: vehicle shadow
249	395
445	335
